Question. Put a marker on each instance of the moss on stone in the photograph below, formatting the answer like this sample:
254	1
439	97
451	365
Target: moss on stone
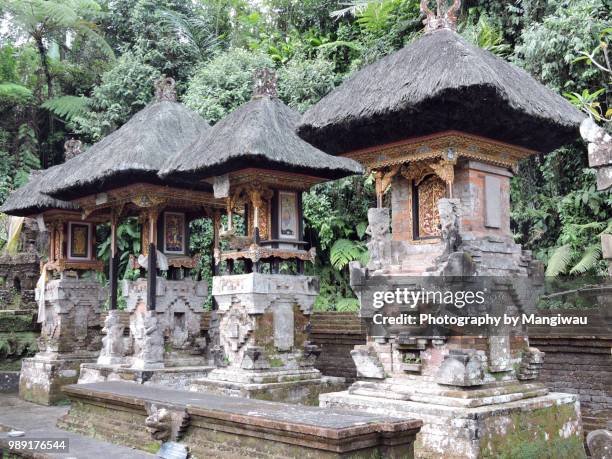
532	434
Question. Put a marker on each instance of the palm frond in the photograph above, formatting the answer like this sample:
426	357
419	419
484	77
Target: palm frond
559	261
589	260
351	9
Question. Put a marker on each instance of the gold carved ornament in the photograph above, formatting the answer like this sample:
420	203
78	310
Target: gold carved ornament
430	191
383	181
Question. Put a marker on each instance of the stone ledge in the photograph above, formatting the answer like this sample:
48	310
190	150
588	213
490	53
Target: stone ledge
306	431
501	430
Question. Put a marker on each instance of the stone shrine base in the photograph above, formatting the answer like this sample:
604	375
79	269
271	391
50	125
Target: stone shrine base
230	427
180	377
43	376
288	386
504	425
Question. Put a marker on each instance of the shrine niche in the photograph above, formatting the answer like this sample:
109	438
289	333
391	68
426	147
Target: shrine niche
425	195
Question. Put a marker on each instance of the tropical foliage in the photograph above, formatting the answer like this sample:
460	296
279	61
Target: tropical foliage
83	67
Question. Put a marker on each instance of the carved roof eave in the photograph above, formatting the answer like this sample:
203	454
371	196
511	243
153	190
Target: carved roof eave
131	199
271	179
434	146
52	215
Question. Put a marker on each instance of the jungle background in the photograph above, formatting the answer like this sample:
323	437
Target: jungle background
82	67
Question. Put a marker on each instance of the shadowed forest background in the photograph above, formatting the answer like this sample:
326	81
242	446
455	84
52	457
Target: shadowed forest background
82	68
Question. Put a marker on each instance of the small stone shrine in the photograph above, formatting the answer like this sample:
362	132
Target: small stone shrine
116	179
259	167
19	270
69	298
442	124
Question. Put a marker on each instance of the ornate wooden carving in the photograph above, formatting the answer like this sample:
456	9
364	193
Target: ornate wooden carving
429	192
256	253
444	17
436	147
383	181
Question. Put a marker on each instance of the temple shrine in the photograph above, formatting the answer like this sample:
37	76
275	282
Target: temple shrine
258	165
442	124
117	179
70	301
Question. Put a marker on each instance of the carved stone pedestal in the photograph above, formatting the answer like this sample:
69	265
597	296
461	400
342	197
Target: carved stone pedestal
456	427
70	336
166	346
263	328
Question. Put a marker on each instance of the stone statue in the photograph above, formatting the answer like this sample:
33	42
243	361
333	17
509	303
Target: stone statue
600	152
264	83
159	424
165	89
379	245
72	148
449	222
166	424
149	342
113	348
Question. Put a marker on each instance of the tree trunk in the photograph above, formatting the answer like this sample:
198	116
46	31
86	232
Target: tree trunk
42	52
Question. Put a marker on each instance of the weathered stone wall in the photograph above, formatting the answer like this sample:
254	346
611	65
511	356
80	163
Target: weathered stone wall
583	366
18	276
336	333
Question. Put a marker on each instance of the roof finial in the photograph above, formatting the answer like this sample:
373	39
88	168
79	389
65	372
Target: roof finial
165	89
264	83
72	148
445	17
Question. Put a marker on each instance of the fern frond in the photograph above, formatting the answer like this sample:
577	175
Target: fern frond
344	251
588	261
559	261
67	107
60	14
14	93
347	305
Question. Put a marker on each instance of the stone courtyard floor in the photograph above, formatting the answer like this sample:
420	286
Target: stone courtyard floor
38	422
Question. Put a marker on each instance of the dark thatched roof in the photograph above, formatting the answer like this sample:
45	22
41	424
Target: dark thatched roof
439	83
29	200
260	133
133	153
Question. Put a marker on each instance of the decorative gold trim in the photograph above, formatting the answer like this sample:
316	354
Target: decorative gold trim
256	253
436	146
274	179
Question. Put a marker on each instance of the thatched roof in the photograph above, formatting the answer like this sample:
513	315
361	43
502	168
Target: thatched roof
260	133
133	153
29	200
438	83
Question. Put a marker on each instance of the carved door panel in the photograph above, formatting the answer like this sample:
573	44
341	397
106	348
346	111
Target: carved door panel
426	195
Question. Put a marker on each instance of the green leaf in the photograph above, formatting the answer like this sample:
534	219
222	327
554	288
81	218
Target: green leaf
588	261
67	107
559	261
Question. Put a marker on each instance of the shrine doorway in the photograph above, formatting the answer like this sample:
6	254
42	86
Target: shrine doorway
425	216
